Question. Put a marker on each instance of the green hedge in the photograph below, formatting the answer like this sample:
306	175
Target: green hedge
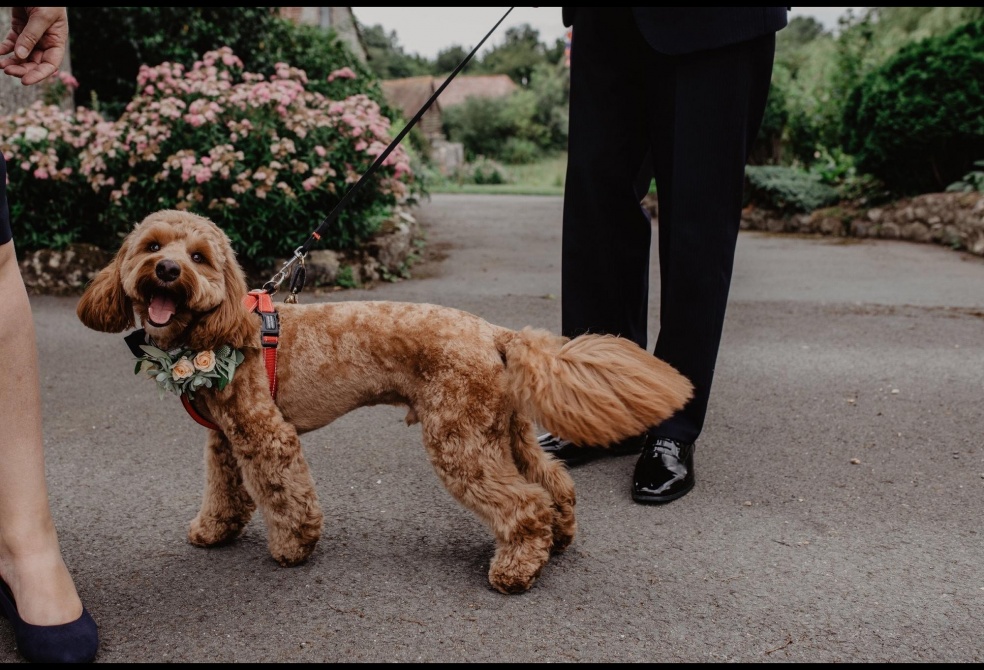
917	122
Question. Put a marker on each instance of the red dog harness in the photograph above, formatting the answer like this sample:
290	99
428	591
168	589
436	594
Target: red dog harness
261	302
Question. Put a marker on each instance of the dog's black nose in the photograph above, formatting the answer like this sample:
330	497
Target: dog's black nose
167	270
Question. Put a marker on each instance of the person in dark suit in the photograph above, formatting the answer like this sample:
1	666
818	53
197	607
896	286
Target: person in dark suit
676	94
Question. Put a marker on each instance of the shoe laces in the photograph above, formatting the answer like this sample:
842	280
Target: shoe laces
666	447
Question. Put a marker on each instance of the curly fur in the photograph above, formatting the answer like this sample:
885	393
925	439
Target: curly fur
475	388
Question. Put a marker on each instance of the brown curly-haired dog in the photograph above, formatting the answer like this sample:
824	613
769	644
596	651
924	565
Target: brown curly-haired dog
476	389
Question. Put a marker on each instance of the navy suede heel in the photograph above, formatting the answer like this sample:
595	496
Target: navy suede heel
73	642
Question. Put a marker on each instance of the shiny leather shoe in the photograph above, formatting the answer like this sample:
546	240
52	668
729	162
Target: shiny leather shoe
664	472
574	454
73	642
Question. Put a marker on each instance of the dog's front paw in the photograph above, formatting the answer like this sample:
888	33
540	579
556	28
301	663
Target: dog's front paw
292	544
295	556
205	531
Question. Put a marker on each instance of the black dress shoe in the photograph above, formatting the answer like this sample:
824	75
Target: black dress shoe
575	454
664	472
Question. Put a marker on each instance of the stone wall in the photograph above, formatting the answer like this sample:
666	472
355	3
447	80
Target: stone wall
386	257
955	220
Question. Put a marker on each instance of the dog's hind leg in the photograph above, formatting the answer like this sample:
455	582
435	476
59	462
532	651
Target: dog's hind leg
478	470
226	506
539	468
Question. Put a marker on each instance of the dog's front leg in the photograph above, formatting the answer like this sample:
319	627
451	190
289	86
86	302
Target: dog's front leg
274	472
226	506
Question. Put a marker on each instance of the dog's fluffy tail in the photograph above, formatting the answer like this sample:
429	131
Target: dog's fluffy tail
593	389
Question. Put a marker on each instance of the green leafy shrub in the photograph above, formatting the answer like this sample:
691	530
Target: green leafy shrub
520	128
972	181
519	151
917	122
485	171
481	125
788	190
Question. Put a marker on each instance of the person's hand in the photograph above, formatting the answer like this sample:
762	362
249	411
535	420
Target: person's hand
37	40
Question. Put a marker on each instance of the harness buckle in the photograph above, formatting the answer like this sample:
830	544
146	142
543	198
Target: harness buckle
269	328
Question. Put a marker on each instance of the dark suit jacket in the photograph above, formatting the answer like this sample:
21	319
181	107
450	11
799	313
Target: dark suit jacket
680	30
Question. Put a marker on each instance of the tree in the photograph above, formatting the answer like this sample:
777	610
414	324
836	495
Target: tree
387	58
518	55
801	30
448	59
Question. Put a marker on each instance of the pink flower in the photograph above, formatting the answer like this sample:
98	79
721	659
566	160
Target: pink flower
205	361
40	173
182	369
68	80
342	73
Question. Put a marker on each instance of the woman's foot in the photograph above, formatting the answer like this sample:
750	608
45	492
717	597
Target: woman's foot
38	597
39	581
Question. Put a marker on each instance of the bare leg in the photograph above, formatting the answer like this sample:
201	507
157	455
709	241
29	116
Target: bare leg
226	506
30	559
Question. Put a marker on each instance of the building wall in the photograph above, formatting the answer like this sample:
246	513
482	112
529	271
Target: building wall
339	18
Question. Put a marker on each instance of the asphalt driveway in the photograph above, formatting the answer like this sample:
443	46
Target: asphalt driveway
837	516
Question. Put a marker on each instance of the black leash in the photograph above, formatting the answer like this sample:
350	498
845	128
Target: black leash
297	279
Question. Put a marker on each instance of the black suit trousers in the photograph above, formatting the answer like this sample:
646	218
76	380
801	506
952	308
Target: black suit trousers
688	121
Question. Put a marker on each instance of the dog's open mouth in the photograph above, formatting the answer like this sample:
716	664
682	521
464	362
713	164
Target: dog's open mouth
161	309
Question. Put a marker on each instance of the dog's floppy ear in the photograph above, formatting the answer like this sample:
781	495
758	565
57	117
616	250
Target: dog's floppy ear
230	323
104	306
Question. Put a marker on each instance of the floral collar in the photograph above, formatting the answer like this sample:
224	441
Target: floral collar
181	370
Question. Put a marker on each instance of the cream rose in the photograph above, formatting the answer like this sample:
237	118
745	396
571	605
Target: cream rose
182	369
205	361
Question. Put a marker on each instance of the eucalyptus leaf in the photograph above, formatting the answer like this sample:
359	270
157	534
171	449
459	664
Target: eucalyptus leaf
154	351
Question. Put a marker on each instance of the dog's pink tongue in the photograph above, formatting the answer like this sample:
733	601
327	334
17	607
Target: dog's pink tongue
161	309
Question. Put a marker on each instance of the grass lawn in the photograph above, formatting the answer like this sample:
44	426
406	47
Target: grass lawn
543	178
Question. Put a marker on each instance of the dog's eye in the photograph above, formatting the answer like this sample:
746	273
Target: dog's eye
198	258
154	246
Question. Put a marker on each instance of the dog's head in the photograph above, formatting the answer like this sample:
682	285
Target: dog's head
177	274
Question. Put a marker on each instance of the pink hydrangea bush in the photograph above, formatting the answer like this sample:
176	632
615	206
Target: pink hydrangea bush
51	201
263	157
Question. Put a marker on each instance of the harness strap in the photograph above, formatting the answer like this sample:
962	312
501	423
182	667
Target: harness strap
261	302
194	414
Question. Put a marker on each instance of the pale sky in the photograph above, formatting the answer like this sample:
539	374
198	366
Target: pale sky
428	30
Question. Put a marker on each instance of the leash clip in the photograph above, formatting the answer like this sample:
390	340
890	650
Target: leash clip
273	285
296	282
